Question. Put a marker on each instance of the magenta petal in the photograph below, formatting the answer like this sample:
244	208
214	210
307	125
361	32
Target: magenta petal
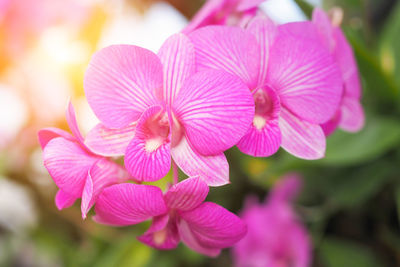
73	124
348	65
330	126
352	119
191	241
177	57
286	189
148	158
120	83
248	4
228	48
187	194
261	143
205	16
265	32
214	170
213	226
109	142
325	28
102	174
68	164
162	234
263	137
300	138
305	76
126	204
64	200
216	109
47	134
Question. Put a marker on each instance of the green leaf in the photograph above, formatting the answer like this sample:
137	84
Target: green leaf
389	45
336	252
378	137
355	188
397	198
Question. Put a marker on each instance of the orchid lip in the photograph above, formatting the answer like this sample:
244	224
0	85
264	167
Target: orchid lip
264	107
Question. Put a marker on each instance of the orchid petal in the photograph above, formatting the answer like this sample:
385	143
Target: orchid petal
148	158
330	126
214	104
214	170
127	204
261	143
213	226
162	234
191	241
305	76
47	134
205	16
120	83
264	30
101	175
286	188
248	4
263	138
109	142
64	200
353	118
348	65
325	28
177	56
68	164
187	194
73	124
300	138
228	48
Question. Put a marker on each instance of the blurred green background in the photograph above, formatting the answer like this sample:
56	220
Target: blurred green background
351	198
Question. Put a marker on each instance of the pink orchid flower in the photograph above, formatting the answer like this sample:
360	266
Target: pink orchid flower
350	115
76	170
224	12
295	82
153	107
179	214
275	236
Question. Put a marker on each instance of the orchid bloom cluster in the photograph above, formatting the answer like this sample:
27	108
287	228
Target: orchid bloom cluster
275	237
232	77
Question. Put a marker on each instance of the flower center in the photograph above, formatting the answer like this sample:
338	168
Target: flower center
157	131
264	107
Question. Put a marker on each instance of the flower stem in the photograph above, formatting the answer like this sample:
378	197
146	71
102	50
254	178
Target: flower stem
175	172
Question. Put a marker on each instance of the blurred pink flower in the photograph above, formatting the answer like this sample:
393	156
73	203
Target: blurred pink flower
295	82
76	170
350	115
224	12
275	236
153	107
22	21
179	214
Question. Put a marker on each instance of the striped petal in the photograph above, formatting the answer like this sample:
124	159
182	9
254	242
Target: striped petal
120	83
177	57
109	142
216	109
300	138
187	194
101	175
228	48
47	134
162	234
148	156
127	204
68	165
214	170
305	76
